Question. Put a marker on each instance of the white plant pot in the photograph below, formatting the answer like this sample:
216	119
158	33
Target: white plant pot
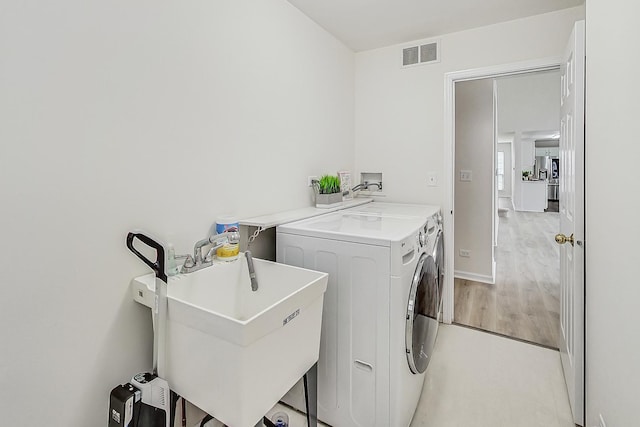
328	200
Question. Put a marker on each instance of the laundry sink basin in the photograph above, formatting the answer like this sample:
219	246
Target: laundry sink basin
234	352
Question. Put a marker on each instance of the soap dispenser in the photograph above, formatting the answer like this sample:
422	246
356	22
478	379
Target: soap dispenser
172	264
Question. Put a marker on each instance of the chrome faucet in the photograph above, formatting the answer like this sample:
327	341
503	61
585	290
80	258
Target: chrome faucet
197	262
365	186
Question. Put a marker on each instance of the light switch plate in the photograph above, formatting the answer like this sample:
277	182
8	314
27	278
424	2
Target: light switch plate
466	176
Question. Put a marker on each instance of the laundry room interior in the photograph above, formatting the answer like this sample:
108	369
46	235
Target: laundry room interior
163	165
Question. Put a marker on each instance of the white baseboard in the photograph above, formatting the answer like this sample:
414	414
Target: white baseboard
482	278
529	210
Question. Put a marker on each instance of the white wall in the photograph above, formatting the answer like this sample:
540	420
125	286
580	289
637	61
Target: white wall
473	201
529	102
612	206
399	112
152	114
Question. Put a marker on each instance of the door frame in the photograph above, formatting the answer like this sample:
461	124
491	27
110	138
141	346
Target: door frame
450	79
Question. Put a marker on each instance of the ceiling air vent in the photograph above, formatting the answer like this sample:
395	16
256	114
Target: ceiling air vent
424	54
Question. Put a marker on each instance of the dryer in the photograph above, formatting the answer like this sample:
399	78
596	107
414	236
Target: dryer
381	307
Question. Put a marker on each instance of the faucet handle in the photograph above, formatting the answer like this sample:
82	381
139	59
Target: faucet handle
189	262
232	237
209	256
219	240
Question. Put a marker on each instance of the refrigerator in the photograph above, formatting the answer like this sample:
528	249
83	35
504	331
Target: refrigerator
542	167
547	167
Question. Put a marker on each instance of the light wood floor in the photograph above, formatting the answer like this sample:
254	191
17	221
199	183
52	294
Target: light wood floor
524	303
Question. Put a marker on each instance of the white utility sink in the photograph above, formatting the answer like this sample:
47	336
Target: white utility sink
234	352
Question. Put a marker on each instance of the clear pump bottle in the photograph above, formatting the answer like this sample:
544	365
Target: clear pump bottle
172	264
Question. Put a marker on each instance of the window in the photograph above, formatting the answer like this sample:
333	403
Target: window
500	170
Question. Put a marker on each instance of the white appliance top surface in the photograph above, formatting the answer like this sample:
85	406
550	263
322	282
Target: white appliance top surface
380	224
396	209
275	219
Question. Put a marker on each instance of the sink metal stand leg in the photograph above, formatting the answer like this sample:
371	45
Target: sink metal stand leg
311	395
310	398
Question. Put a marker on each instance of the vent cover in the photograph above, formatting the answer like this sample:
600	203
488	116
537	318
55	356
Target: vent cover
410	56
423	54
429	52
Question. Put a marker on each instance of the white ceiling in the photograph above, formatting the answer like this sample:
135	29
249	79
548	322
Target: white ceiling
369	24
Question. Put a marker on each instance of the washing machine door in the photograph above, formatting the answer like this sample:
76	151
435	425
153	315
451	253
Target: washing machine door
422	314
438	257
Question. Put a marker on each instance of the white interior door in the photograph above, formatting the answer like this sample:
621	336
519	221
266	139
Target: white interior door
571	236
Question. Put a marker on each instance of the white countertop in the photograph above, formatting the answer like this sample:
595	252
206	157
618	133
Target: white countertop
273	220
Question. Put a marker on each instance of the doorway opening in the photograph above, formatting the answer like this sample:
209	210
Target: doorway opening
572	208
507	277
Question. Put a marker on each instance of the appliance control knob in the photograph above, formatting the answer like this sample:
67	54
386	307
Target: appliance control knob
423	239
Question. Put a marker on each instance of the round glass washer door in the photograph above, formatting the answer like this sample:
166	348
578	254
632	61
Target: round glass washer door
422	314
438	256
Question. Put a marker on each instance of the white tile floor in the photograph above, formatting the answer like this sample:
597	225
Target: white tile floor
483	380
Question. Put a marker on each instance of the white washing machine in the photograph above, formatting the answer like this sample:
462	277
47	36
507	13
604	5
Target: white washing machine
381	307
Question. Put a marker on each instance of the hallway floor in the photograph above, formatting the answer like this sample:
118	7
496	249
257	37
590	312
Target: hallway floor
524	303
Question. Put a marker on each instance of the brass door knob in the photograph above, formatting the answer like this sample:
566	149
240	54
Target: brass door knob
561	239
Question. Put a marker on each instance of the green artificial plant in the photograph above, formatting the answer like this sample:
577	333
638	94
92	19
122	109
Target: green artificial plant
329	184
